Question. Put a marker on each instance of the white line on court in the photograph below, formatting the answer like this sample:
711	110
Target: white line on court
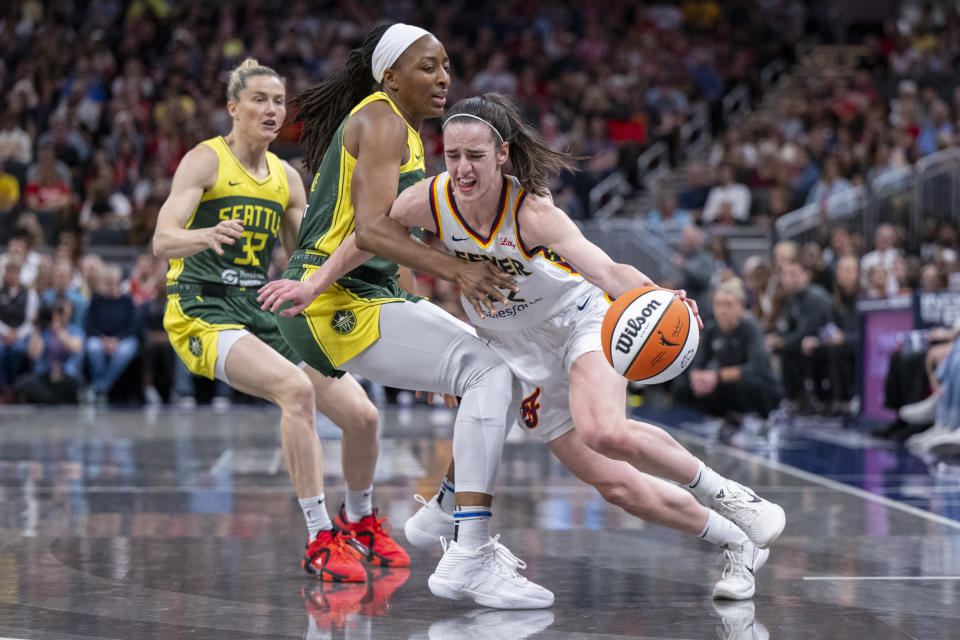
812	477
878	578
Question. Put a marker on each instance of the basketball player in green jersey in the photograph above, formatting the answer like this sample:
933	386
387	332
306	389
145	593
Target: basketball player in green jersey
360	137
230	201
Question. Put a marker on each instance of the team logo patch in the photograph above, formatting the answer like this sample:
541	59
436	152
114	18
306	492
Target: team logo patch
196	346
529	410
344	321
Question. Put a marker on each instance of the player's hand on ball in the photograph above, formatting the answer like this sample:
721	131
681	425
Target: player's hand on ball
682	294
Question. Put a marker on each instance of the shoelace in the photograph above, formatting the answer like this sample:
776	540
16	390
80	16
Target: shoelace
736	501
419	498
731	564
503	562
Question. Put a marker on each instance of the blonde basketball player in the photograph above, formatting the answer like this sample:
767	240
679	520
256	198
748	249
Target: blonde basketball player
549	334
230	201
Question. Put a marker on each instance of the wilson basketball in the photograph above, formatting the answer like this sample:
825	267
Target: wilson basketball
650	335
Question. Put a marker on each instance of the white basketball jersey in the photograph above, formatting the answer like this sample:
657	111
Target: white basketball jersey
547	283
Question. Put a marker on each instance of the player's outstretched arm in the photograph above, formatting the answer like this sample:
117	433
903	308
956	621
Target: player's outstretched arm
196	173
543	224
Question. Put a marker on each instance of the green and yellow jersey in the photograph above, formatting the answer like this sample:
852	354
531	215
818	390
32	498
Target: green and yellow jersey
260	204
328	219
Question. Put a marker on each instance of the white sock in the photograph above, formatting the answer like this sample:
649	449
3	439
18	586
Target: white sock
721	531
359	503
315	513
706	483
445	496
471	525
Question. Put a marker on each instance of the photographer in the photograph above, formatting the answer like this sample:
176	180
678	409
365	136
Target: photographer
55	350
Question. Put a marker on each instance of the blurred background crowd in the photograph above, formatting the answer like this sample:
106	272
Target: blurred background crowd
101	99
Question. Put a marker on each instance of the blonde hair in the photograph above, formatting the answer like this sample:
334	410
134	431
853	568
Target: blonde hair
237	80
732	287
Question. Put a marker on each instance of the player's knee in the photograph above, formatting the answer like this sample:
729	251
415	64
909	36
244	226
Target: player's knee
616	493
604	438
296	394
366	422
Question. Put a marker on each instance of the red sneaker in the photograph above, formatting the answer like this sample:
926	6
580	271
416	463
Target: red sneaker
380	548
330	606
332	558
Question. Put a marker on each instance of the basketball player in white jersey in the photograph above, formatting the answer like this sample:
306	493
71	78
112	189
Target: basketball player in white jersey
549	334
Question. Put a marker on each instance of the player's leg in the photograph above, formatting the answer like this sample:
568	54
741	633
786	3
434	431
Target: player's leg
660	502
251	366
345	402
422	348
597	401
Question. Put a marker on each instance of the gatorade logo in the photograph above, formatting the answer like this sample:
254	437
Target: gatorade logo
634	326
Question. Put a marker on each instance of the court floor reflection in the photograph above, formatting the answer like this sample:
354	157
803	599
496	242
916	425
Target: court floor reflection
127	524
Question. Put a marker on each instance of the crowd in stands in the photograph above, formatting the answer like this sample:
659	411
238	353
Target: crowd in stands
101	99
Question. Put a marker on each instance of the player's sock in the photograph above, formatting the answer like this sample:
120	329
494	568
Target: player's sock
445	496
315	513
471	525
359	503
721	531
706	483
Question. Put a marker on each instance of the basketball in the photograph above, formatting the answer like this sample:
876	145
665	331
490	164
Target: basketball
650	335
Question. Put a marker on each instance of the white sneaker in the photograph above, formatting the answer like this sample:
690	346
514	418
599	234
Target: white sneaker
763	521
220	403
920	443
428	525
922	412
740	565
738	621
151	397
486	624
488	576
187	403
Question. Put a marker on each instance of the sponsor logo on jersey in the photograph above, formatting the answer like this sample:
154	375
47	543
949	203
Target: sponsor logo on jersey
507	242
511	265
239	277
196	346
515	310
634	325
344	321
529	410
232	183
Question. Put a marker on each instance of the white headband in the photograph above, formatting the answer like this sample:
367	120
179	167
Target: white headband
391	46
470	115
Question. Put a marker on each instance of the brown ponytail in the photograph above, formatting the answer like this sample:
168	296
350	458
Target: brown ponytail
534	163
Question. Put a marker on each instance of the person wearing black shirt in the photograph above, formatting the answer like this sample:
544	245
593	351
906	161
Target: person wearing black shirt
833	349
111	329
18	309
807	310
731	374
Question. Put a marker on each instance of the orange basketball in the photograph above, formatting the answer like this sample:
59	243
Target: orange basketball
650	335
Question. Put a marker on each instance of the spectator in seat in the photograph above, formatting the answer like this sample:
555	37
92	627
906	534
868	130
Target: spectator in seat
731	374
667	218
729	199
694	197
834	348
884	254
64	289
696	267
807	310
56	349
18	311
111	329
830	182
